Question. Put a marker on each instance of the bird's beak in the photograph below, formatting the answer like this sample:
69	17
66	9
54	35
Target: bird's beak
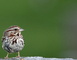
21	30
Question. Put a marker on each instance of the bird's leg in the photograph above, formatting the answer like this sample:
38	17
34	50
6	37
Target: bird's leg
6	56
18	54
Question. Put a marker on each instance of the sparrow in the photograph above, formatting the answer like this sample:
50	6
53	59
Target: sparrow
12	40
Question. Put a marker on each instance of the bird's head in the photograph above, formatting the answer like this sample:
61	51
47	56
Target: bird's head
13	31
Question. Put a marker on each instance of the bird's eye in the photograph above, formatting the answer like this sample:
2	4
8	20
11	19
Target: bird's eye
15	29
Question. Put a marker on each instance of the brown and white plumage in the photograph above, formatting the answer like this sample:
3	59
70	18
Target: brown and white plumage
12	40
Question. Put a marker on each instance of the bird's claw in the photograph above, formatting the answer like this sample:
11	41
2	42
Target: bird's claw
5	57
17	56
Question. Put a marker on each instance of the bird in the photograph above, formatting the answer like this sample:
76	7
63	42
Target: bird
12	40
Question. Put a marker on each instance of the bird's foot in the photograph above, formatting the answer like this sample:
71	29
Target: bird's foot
6	57
17	56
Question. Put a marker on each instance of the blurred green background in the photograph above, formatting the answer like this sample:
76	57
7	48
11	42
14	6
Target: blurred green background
50	26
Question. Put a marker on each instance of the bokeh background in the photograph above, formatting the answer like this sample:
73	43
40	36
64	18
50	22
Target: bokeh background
50	26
